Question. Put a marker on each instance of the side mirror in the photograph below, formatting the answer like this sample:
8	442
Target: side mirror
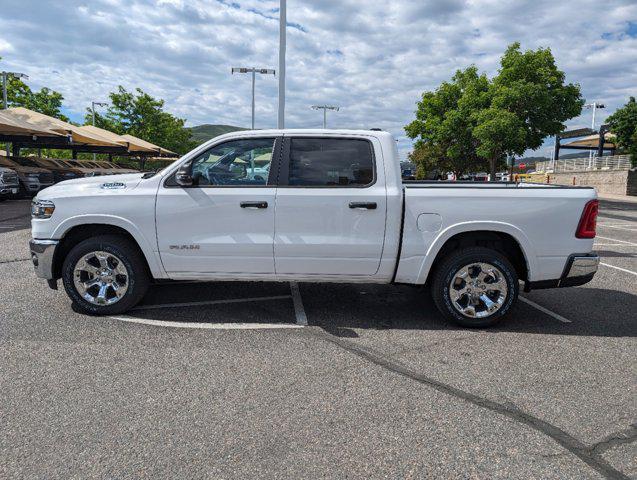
183	176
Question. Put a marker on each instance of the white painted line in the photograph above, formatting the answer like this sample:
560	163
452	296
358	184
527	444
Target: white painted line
557	317
611	245
301	318
206	326
211	302
618	268
623	227
617	240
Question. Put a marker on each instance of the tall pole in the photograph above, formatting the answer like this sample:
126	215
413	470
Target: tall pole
325	108
4	100
253	76
93	105
282	26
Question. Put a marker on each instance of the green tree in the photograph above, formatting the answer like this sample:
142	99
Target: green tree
45	100
489	120
623	123
444	125
142	116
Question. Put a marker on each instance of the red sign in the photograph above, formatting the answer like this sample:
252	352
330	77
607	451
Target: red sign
522	165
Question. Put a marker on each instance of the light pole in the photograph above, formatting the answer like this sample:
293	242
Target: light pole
593	106
93	105
254	71
4	91
325	108
282	39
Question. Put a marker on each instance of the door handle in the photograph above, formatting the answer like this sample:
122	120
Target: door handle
254	204
363	205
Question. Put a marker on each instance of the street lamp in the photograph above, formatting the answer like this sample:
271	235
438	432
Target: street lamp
4	90
325	108
593	106
253	71
93	105
282	40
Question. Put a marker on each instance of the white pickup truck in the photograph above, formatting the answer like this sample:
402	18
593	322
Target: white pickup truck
332	208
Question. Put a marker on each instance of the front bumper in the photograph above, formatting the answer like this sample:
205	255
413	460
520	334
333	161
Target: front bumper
579	269
42	252
7	190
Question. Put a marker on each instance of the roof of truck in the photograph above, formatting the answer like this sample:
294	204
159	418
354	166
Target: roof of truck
307	131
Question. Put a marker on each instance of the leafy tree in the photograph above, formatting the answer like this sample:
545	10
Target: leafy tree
46	101
489	120
140	115
444	124
623	123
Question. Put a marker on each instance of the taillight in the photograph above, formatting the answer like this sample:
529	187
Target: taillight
588	222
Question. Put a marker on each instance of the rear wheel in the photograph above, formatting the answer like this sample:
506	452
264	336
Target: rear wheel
475	287
105	275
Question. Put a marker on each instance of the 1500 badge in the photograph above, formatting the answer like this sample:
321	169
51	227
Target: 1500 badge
183	247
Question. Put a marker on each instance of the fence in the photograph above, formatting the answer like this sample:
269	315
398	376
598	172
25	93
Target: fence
585	164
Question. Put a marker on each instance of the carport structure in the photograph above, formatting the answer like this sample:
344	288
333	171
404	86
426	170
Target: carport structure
589	139
24	128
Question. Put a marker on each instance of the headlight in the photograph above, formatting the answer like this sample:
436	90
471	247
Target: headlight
42	208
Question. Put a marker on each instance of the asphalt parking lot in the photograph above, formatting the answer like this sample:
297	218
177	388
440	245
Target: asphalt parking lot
223	380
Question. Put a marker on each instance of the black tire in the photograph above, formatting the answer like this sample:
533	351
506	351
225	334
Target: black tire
138	277
443	276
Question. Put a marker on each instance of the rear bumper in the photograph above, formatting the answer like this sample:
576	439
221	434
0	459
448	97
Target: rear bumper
579	269
42	252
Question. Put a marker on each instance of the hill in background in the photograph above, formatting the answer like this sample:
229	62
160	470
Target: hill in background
203	133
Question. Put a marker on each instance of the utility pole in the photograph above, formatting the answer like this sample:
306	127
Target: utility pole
325	108
282	34
93	105
253	71
5	76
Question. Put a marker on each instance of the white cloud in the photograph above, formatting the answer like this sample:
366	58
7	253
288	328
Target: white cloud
372	58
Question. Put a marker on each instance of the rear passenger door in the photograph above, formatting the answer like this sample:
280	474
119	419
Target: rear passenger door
330	207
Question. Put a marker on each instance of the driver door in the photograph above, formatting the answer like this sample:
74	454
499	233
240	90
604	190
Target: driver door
224	223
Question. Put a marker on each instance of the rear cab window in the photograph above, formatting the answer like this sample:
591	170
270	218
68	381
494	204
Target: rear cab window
330	162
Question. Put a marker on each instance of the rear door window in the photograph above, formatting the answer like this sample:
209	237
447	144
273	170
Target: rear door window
330	162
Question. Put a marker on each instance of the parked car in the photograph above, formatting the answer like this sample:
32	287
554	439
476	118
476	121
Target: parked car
342	215
113	168
32	178
85	168
60	171
9	184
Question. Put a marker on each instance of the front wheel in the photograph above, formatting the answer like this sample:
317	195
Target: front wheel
105	275
475	287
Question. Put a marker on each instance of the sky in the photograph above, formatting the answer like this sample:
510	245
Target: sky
373	59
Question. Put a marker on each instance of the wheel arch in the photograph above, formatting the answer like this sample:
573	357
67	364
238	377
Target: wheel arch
505	238
76	230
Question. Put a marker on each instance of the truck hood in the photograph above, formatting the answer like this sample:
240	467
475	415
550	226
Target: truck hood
92	186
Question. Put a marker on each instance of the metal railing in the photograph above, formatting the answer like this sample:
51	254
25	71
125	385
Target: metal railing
585	164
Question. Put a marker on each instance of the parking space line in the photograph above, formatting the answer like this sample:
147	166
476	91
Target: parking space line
618	268
623	227
616	240
211	302
299	310
556	316
207	326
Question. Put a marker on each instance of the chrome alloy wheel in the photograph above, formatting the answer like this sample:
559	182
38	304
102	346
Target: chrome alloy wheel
478	290
100	278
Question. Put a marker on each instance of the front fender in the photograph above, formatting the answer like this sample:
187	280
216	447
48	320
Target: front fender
148	247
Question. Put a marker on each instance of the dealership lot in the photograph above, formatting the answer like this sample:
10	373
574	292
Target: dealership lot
225	380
